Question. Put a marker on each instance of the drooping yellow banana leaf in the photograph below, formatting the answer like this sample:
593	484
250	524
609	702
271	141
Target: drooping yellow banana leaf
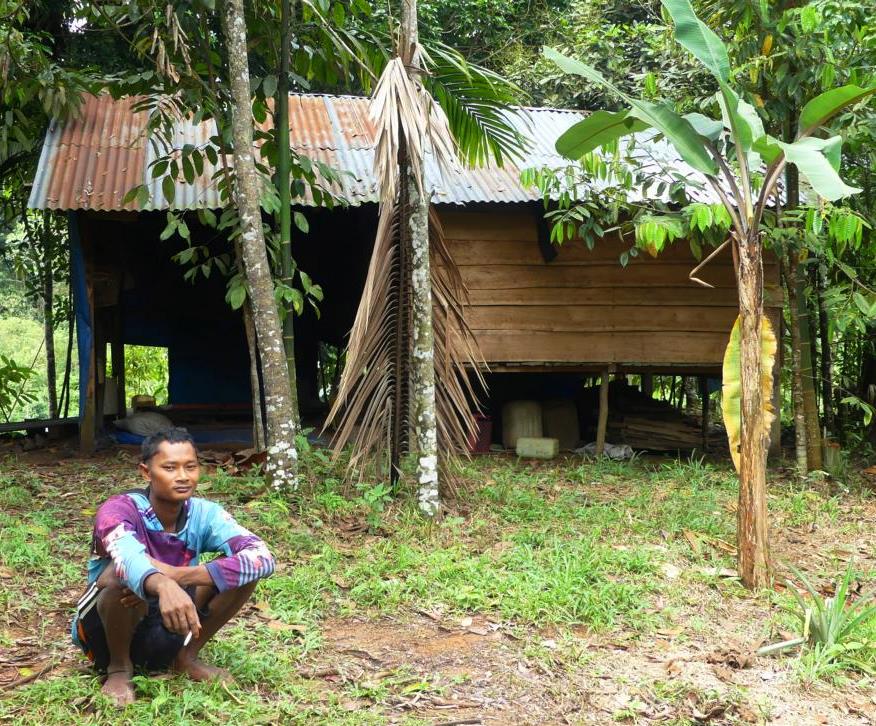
731	401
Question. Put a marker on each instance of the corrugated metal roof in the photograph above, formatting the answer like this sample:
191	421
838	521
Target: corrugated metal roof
92	161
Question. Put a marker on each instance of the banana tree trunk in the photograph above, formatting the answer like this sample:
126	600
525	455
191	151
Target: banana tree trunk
423	407
282	462
789	273
752	536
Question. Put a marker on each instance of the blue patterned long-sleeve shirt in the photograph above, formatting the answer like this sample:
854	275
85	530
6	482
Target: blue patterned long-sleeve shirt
127	533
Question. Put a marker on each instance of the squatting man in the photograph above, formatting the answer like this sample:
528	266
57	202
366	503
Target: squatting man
149	603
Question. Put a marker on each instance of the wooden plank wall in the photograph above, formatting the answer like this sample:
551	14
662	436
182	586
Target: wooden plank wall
583	307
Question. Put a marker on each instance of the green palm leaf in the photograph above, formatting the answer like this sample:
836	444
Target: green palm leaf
476	103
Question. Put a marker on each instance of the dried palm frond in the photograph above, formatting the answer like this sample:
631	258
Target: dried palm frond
372	408
404	114
457	354
366	407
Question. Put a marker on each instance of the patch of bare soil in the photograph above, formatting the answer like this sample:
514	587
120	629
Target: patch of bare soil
482	674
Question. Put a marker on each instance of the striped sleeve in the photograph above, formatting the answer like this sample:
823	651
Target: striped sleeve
246	558
117	528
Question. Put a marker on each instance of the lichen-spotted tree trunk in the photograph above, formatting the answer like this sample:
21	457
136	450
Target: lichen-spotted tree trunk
282	461
423	412
284	165
753	541
423	342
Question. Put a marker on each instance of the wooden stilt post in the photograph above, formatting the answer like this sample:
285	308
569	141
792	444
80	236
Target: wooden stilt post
117	354
602	423
101	325
704	399
118	347
648	384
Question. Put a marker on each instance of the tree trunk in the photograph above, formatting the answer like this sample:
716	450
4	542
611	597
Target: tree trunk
789	273
691	395
826	350
807	374
255	386
423	363
282	463
752	537
68	361
283	174
810	405
49	333
423	349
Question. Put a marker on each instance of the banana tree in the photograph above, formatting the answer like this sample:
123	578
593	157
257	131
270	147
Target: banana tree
742	164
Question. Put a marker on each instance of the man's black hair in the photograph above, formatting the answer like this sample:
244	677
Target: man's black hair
175	435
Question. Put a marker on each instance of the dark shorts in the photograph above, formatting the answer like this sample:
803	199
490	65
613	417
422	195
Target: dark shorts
153	646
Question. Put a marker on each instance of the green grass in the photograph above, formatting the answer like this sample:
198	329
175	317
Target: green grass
558	546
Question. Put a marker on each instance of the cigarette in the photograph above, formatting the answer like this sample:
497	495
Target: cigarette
188	639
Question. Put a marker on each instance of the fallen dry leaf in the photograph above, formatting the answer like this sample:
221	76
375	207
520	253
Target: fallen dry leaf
733	657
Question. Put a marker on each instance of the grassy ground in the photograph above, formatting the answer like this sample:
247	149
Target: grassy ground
562	593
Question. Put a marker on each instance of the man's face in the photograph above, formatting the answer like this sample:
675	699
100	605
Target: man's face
173	472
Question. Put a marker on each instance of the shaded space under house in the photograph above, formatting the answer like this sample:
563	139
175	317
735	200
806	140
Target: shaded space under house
548	319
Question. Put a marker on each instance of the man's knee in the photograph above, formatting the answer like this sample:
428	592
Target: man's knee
111	591
108	580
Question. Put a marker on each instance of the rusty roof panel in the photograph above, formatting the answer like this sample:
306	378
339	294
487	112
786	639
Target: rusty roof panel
92	161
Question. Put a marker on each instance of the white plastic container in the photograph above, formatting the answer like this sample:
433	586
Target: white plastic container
520	418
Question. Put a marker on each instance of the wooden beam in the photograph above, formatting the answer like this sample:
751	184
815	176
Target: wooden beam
679	294
670	350
602	423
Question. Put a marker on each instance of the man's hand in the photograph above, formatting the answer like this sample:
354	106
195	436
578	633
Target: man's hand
178	612
129	598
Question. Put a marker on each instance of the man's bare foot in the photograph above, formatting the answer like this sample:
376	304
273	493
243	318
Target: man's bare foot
197	670
119	688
